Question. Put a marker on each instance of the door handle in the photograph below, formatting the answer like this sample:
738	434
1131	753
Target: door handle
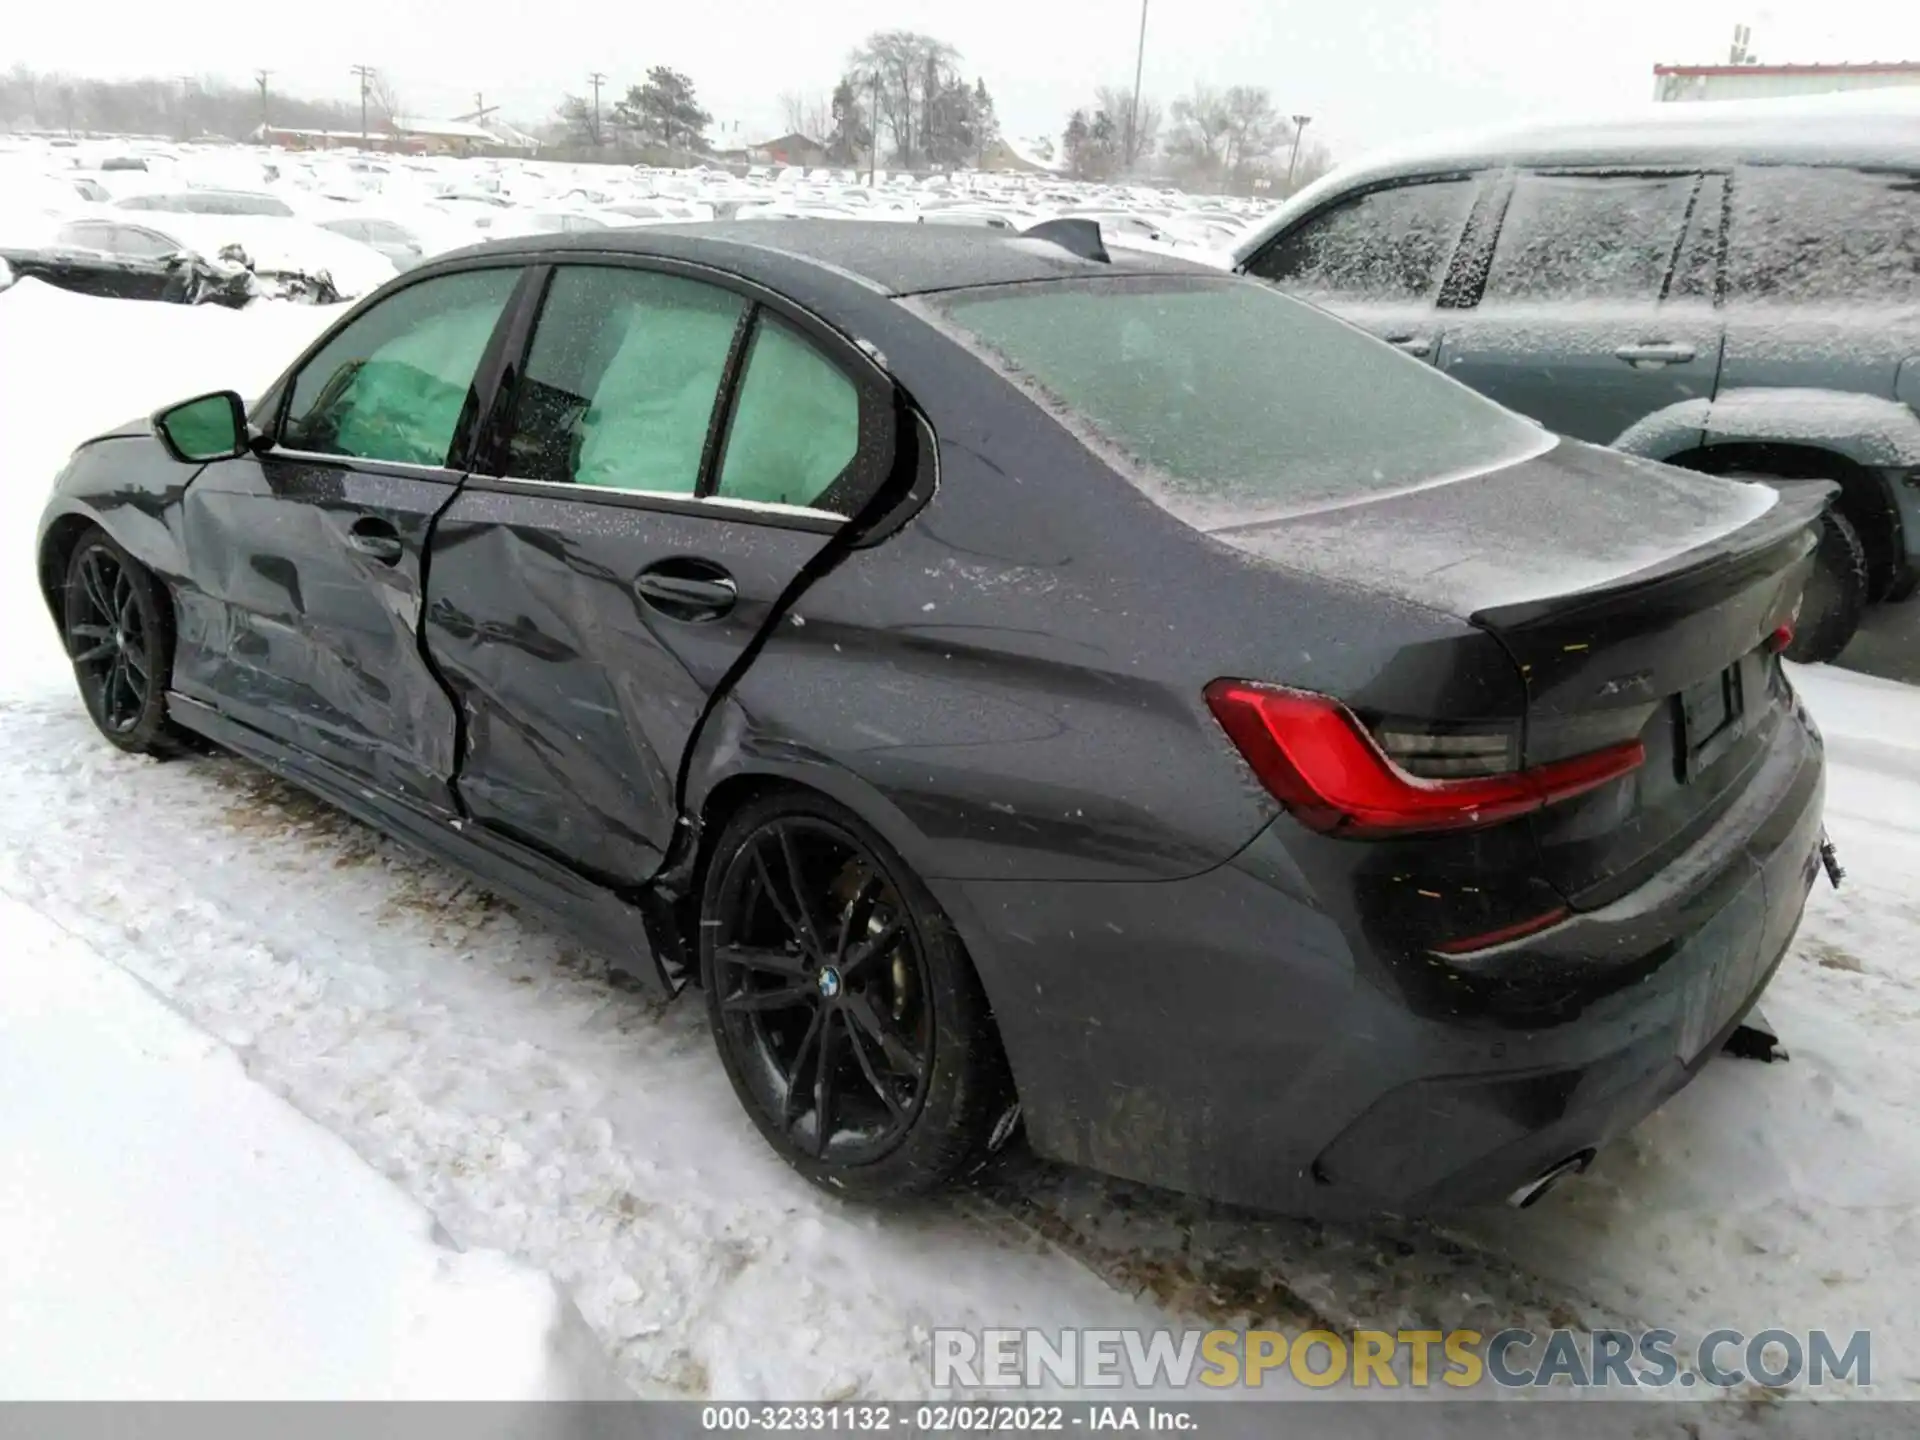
1411	344
687	589
1656	352
376	539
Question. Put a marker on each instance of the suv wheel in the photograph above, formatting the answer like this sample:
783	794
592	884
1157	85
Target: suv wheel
1836	595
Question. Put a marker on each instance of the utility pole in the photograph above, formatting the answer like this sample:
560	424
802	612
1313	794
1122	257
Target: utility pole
186	107
260	79
1133	102
1300	123
365	72
873	150
596	80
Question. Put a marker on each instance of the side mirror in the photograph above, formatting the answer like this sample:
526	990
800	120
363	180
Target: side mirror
208	427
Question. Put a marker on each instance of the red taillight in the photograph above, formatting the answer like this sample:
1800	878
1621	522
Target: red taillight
1320	762
1780	639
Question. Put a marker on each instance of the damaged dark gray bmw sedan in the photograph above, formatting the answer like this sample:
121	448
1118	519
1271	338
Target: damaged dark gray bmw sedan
1019	684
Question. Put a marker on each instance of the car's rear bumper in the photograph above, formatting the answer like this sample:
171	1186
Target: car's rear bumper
1227	1035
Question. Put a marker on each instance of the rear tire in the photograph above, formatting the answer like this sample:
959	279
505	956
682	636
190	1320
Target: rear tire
1836	594
119	636
844	1007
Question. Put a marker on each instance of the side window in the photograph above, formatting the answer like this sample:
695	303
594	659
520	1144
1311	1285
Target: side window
88	234
796	423
132	240
620	386
1386	245
1589	237
392	384
1817	234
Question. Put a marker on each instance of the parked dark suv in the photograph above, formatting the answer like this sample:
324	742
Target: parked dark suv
1732	288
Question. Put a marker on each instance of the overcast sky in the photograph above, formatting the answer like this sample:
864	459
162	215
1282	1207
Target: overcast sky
1368	71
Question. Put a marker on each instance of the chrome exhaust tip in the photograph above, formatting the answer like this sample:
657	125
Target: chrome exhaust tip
1528	1193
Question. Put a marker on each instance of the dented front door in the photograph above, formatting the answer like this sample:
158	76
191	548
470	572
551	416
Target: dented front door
303	618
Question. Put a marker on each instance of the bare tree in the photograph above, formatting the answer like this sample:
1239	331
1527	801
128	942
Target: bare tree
383	96
151	105
581	120
1201	125
807	113
905	72
1255	128
1139	130
1227	137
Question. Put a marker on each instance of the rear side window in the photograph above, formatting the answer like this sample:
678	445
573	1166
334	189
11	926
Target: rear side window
88	234
393	384
132	240
622	380
796	423
1589	237
1812	234
1228	402
1387	245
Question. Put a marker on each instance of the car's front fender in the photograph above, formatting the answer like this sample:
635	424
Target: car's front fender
127	485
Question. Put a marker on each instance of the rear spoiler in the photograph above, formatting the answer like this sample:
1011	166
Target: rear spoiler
1785	534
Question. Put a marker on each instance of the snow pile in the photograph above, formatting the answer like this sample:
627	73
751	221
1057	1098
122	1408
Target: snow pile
170	1230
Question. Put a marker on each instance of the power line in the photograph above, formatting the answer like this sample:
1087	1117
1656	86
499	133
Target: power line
366	74
1133	105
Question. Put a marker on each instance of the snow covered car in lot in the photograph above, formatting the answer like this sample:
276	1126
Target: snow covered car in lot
208	202
954	652
1732	288
72	256
402	246
277	258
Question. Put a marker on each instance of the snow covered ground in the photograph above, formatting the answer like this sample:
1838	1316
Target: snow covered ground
250	970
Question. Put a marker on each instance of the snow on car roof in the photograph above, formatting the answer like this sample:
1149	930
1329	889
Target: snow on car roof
1874	128
900	259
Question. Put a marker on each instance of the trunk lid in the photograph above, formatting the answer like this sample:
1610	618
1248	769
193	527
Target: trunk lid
1637	602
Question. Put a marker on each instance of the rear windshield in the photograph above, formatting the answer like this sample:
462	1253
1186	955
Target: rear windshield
1227	401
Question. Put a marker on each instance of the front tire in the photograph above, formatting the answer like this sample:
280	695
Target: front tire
115	622
1836	594
844	1008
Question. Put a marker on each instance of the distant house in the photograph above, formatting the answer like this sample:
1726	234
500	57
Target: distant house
1750	81
463	137
791	149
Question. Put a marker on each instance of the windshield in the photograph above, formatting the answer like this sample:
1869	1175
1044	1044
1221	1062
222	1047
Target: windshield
1228	402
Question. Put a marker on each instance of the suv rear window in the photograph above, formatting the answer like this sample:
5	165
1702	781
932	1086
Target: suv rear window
1229	402
1803	234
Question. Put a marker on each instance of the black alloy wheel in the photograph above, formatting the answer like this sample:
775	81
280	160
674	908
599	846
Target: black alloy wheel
117	640
848	1017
